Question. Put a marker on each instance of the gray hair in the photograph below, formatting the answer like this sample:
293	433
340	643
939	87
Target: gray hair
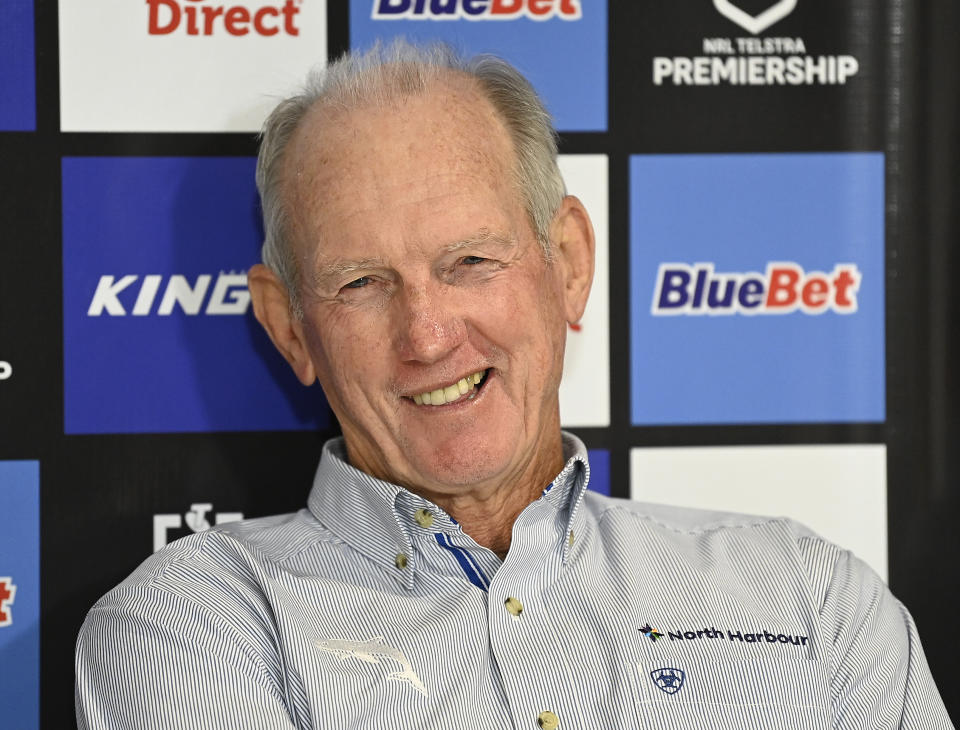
381	75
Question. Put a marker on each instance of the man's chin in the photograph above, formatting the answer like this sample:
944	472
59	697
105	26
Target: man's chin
455	467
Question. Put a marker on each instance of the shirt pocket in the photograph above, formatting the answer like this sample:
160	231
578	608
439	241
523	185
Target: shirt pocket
791	694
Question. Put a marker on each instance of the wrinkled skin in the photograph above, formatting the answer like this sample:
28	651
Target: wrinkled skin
419	266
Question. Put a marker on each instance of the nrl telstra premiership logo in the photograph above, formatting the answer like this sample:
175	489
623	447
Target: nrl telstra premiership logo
755	24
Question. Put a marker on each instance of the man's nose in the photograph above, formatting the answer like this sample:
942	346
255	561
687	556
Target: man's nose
428	326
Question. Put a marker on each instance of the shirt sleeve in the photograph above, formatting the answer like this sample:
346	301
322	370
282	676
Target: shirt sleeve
880	676
149	658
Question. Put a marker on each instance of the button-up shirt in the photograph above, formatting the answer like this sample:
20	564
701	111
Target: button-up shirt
372	608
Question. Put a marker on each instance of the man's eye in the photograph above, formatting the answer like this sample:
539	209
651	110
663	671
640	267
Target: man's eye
358	283
472	260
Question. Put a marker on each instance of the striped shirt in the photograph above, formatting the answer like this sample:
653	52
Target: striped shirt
373	609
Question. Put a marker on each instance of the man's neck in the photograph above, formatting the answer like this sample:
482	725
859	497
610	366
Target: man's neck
487	513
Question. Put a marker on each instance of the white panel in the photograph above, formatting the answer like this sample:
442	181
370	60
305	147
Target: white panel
115	76
838	491
585	390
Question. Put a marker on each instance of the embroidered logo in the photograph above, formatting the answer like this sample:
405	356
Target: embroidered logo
373	651
651	633
669	679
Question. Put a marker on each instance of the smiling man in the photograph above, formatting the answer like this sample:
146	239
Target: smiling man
422	262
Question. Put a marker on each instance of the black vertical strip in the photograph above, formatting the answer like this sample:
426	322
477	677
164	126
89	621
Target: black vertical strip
924	325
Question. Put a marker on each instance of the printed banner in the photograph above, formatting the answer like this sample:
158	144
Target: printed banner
559	45
757	288
159	333
20	594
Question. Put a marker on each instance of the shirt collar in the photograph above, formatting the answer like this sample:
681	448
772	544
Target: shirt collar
378	518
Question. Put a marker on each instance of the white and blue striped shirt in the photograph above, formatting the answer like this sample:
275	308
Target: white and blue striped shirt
372	609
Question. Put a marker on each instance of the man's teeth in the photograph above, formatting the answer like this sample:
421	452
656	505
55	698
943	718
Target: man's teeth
449	394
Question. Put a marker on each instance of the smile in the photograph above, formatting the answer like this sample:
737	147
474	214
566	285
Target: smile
465	388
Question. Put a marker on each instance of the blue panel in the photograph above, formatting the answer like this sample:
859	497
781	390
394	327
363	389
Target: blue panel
20	594
177	371
727	215
564	55
18	104
599	471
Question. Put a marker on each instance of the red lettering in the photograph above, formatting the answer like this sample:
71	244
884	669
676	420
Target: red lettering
570	8
209	14
783	287
167	16
506	7
814	292
539	7
843	282
289	12
235	20
154	26
7	590
258	21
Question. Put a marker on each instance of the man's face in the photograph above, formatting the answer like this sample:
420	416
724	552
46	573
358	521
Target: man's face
420	274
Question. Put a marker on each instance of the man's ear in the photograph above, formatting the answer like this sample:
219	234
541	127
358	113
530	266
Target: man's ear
573	247
271	306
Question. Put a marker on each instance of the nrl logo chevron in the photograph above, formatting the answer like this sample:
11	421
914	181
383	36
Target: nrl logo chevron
755	24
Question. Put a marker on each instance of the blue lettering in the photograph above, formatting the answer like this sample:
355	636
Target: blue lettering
392	7
751	293
699	287
673	289
475	7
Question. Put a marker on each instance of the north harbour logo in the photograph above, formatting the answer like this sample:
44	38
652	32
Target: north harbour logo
757	636
651	633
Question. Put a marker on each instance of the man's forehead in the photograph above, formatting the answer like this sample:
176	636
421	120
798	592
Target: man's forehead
450	114
345	167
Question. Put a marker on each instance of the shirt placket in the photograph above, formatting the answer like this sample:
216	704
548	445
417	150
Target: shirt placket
524	640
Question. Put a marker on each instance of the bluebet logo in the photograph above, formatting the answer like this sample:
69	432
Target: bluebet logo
8	592
783	289
746	270
229	295
159	334
20	594
477	9
560	45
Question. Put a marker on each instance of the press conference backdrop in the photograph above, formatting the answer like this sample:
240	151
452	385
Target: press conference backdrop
768	330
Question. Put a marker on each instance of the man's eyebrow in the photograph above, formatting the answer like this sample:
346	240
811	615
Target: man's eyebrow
336	270
482	237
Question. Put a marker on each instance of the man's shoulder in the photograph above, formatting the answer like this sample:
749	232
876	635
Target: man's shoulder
689	528
689	520
224	559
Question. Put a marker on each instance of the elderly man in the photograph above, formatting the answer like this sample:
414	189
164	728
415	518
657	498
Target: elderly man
451	568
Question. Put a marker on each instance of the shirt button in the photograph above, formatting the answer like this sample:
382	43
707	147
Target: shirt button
548	721
423	517
514	607
400	561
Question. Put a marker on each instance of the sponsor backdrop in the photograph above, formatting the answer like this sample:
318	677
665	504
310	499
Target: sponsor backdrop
769	329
